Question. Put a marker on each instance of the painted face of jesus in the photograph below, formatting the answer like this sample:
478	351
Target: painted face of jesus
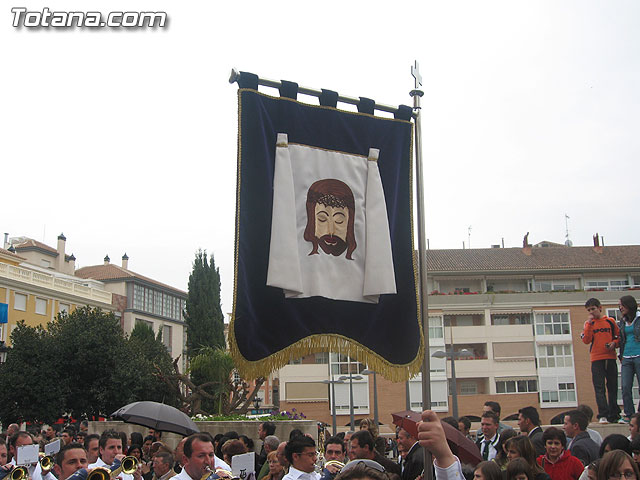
331	228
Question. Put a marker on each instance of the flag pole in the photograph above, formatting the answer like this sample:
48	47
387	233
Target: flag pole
313	92
416	94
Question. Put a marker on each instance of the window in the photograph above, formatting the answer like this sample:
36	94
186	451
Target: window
566	392
616	285
615	314
437	365
145	322
41	306
436	330
439	394
510	319
473	319
513	350
343	365
634	391
552	324
551	285
555	356
322	358
516	386
468	388
63	307
360	395
20	302
166	337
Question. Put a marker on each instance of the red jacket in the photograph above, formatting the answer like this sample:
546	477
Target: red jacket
567	467
598	332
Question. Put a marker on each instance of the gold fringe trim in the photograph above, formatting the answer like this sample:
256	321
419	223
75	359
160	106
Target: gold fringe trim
329	342
324	342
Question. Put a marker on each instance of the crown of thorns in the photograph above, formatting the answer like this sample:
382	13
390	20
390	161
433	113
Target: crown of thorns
330	200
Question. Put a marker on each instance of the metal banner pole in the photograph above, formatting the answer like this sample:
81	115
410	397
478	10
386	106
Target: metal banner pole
416	93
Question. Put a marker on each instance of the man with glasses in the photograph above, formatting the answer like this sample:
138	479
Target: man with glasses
301	455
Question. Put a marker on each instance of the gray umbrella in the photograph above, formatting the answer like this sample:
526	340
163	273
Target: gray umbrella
157	416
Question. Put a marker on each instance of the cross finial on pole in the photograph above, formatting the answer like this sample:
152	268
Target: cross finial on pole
415	72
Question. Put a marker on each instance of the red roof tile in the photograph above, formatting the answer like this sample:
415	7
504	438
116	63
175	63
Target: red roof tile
541	258
30	244
111	272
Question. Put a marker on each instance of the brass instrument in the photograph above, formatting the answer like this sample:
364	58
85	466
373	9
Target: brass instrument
207	473
46	462
98	473
335	463
219	473
128	465
16	473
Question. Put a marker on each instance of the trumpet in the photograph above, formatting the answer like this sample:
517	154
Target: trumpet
128	465
46	462
16	473
335	463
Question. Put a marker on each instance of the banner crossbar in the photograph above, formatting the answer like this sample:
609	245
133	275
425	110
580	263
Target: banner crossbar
235	76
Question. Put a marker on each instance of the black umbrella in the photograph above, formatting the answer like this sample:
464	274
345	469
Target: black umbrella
157	416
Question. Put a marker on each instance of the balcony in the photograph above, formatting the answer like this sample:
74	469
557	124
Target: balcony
473	302
51	282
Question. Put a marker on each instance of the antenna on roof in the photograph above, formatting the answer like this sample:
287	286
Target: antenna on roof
469	235
567	241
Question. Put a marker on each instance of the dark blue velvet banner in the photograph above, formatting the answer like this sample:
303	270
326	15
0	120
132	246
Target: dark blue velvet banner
268	329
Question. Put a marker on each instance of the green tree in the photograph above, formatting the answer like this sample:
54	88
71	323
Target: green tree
211	370
29	383
204	319
152	358
96	365
81	364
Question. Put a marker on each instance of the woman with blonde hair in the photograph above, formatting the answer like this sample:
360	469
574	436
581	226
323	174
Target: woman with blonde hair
370	425
276	471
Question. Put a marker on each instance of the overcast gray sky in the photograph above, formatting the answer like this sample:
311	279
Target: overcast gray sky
125	140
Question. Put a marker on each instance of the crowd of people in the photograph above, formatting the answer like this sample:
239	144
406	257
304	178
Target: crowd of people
573	452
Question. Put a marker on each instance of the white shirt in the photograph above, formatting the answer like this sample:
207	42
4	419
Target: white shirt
100	463
219	463
37	474
295	474
183	475
491	446
452	472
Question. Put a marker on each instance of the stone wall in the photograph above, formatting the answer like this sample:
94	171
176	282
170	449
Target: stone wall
248	428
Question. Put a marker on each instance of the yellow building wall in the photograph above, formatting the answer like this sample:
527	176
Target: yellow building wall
30	317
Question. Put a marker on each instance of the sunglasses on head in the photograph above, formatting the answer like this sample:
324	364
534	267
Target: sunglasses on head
361	461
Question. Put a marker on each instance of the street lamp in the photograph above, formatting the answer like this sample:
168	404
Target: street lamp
333	402
375	394
256	403
351	378
451	356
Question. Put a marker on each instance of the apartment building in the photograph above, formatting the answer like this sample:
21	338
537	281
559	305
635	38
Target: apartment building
140	299
514	317
38	281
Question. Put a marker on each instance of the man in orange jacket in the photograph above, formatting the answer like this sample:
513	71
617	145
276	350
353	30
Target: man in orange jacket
603	334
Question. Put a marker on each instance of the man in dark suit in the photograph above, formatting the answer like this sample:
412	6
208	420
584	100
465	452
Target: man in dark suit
529	423
413	463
